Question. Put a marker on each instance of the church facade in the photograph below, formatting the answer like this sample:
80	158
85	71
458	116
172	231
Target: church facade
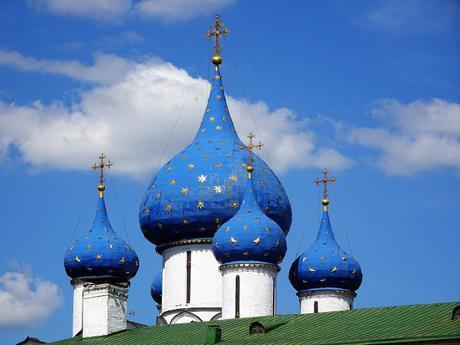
219	217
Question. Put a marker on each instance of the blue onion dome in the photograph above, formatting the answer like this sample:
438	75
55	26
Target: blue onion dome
157	287
249	236
325	265
202	187
101	254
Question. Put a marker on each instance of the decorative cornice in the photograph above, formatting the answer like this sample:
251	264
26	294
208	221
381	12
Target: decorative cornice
161	247
272	267
307	293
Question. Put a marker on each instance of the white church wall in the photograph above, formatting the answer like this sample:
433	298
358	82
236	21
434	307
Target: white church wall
104	309
205	282
77	310
257	290
329	300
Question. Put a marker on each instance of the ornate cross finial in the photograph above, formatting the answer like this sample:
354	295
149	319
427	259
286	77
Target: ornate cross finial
101	165
250	147
217	29
325	180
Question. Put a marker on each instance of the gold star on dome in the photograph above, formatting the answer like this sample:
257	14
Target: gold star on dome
216	245
311	269
202	178
227	229
235	205
122	260
207	109
234	178
218	97
218	189
203	130
233	241
89	246
354	271
257	241
218	221
99	257
224	118
202	229
322	258
184	191
77	259
304	259
219	128
200	204
277	243
246	254
168	207
110	245
267	228
172	182
170	168
323	280
157	196
190	165
245	227
212	118
334	269
185	222
147	211
217	164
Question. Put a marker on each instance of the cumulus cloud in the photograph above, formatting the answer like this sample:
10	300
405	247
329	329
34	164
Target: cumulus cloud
95	9
106	68
106	10
415	137
26	300
130	119
179	9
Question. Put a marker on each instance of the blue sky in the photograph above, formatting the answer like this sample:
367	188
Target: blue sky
369	89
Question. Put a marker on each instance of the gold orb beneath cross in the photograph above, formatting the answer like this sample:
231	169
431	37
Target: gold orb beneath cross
216	60
325	202
101	188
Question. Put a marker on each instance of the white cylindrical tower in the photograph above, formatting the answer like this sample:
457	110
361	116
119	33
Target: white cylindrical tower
191	288
77	310
250	245
249	289
192	195
320	301
325	276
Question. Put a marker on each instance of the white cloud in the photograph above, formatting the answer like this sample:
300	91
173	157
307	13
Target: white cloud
412	16
179	9
130	120
25	300
109	10
95	9
416	137
106	68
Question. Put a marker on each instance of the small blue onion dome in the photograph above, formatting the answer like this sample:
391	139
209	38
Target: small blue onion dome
157	287
325	265
101	254
249	236
202	187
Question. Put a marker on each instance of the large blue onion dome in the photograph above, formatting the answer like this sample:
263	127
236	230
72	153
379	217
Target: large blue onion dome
101	254
325	265
157	287
202	187
249	236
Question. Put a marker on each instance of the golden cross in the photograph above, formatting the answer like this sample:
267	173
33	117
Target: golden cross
217	29
325	180
250	147
102	165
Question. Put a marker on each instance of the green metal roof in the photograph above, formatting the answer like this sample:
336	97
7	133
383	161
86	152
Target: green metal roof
412	323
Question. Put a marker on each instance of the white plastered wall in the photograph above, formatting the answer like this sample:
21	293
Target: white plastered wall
77	310
205	284
329	300
257	290
104	309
